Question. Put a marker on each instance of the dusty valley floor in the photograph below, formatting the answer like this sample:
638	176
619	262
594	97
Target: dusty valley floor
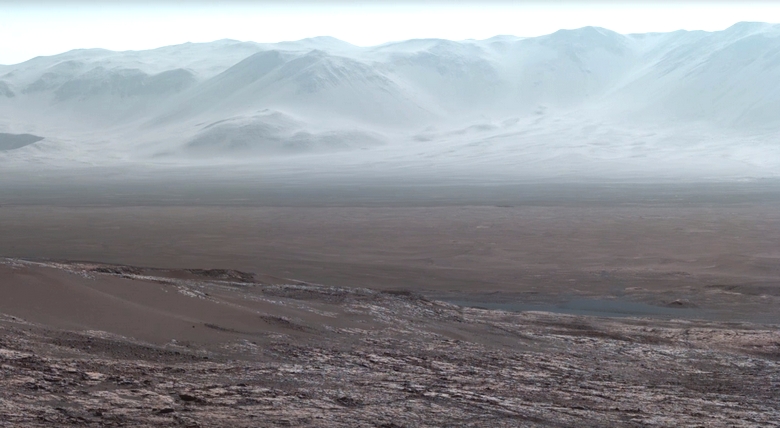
430	306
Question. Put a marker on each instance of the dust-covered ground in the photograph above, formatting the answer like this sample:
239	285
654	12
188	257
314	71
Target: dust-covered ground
373	304
708	250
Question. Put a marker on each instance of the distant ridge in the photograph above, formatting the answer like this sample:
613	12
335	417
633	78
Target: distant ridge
574	100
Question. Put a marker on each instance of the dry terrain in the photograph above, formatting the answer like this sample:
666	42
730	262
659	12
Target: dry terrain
566	307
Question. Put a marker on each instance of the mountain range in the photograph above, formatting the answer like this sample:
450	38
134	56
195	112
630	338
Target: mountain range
583	100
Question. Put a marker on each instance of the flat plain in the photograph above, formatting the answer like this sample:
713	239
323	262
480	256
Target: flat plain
708	246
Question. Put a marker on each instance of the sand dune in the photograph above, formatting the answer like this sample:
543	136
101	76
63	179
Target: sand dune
154	306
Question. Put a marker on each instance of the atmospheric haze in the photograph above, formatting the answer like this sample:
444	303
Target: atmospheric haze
588	102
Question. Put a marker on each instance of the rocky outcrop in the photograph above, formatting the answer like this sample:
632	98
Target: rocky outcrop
416	363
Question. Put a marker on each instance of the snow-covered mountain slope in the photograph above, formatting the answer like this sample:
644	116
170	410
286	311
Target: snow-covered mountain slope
570	101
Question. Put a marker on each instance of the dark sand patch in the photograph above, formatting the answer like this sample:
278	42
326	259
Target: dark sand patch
593	307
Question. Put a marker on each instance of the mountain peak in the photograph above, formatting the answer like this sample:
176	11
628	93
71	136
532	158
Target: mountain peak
319	42
585	32
747	28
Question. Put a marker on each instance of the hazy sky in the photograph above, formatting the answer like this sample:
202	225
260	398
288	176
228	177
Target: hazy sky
32	28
